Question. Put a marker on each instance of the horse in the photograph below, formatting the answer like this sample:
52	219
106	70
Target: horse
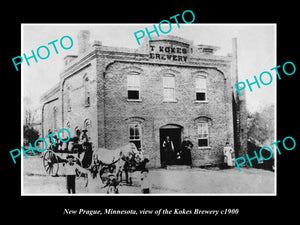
120	159
136	163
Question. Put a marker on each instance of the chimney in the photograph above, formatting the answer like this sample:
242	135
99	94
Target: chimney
234	64
83	41
234	60
241	109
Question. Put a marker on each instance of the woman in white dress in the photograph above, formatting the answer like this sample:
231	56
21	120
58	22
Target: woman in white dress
228	151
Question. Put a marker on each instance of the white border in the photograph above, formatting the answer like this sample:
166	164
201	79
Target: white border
164	194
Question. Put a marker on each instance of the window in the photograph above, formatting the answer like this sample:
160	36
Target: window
135	135
54	118
169	88
203	134
86	91
201	89
68	99
133	87
77	131
87	124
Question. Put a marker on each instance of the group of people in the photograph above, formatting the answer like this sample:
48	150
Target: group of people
183	154
179	156
79	140
94	184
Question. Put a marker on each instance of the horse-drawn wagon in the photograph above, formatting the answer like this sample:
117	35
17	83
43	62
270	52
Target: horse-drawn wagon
126	158
56	156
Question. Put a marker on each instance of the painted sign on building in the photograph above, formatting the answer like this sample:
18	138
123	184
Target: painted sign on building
168	51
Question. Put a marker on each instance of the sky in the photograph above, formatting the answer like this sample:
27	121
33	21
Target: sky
256	52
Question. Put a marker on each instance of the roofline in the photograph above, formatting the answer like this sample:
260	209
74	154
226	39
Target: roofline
50	92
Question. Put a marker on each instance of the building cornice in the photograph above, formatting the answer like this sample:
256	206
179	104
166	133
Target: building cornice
50	93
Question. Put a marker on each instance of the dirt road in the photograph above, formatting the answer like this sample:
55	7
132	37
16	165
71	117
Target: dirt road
187	181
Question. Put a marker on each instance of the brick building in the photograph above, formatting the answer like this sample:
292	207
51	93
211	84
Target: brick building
167	87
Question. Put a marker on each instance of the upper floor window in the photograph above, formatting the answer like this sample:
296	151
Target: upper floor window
68	98
86	91
169	88
55	118
133	87
201	92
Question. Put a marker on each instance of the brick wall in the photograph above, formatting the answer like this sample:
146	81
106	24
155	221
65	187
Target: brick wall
110	112
154	113
48	116
80	111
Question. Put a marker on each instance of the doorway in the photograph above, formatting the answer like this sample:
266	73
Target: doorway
170	147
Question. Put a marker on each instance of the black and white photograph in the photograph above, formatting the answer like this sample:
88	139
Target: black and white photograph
148	112
118	109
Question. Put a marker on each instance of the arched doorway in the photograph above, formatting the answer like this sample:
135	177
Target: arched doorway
170	141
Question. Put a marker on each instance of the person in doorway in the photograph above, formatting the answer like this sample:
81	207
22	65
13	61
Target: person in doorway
186	147
168	148
228	152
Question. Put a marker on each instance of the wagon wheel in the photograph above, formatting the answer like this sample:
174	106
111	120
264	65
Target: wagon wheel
50	163
79	163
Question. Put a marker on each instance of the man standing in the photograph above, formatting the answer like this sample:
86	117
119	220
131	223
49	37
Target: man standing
70	170
168	148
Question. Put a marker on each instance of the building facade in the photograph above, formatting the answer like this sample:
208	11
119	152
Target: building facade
167	87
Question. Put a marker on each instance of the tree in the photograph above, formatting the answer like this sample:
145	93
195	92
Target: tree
30	114
261	125
30	135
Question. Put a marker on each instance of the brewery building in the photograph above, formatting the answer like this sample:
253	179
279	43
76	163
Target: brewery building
166	87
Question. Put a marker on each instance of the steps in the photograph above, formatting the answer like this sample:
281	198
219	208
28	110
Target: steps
178	167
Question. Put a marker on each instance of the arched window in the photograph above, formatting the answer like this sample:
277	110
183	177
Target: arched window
135	134
135	130
68	98
54	118
86	91
203	134
87	125
203	124
77	131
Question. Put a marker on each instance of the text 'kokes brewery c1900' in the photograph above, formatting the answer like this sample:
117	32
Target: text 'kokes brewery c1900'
166	87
